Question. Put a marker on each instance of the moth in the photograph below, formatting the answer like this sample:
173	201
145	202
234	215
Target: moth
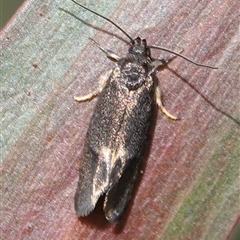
119	128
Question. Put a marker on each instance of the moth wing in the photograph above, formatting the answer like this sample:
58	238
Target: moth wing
135	134
93	181
119	195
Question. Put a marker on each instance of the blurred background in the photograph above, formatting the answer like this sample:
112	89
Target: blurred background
7	9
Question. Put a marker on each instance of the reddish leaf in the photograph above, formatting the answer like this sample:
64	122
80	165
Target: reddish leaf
190	183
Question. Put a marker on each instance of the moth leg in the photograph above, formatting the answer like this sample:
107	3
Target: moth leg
110	54
88	96
102	83
161	62
160	104
157	63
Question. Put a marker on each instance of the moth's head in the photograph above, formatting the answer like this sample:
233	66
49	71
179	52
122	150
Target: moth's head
139	47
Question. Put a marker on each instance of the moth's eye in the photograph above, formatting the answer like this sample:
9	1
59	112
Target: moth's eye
133	76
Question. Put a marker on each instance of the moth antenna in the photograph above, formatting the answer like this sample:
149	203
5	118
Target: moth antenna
107	19
182	56
132	40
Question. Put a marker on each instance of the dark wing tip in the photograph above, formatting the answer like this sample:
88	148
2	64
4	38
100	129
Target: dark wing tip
112	216
82	207
82	210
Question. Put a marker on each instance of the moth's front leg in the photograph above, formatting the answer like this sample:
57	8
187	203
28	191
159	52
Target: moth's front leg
160	104
102	83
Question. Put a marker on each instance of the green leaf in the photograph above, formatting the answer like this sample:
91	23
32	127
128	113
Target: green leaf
190	183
